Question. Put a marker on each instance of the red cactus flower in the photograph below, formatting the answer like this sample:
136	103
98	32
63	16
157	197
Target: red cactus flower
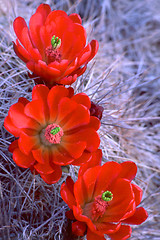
104	201
54	46
54	129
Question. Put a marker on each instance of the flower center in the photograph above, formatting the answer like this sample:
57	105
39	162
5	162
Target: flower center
100	204
52	134
52	52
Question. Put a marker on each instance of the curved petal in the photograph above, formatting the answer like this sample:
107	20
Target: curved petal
65	109
36	21
27	143
83	99
75	18
19	119
89	181
129	170
107	175
85	157
22	32
77	119
77	211
10	127
94	123
94	161
61	158
54	176
40	92
23	160
139	217
67	195
84	55
89	135
38	154
21	52
137	193
38	111
78	228
13	146
53	99
94	45
123	233
75	150
106	228
47	167
122	197
68	80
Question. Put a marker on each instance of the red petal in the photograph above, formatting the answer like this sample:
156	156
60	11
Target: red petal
65	109
122	197
53	177
84	55
70	184
68	80
129	170
94	161
89	178
86	156
79	37
106	228
10	127
80	192
38	155
94	123
19	119
61	158
23	160
13	146
78	228
77	211
67	195
122	234
22	32
21	52
139	217
47	167
94	45
75	150
138	194
93	236
36	21
44	10
75	18
79	118
27	143
108	174
83	99
54	97
89	135
40	92
38	111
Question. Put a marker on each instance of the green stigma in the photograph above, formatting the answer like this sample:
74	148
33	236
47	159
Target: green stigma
55	130
107	196
56	42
